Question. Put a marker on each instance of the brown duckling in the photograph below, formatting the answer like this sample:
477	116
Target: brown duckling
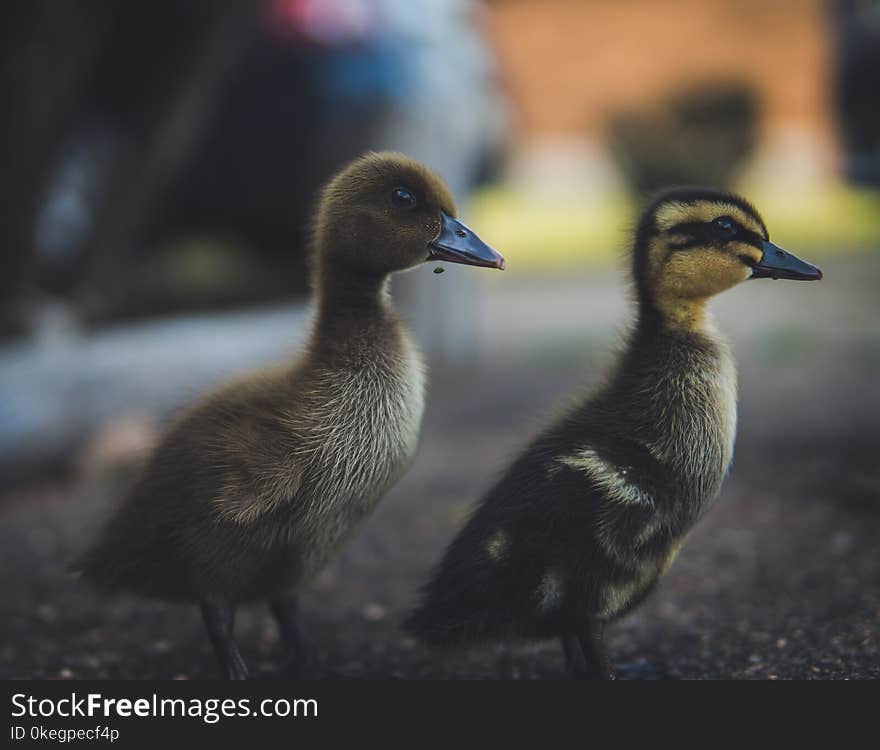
255	487
585	521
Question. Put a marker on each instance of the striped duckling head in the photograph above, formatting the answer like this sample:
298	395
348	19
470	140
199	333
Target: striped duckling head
692	243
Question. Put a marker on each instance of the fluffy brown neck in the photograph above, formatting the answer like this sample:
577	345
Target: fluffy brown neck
347	306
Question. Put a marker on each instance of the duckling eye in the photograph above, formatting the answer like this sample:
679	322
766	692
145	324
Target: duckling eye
403	198
725	225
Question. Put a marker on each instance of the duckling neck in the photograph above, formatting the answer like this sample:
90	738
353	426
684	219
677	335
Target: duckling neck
683	314
349	303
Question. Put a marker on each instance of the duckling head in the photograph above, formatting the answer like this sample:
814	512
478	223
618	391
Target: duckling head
692	243
386	212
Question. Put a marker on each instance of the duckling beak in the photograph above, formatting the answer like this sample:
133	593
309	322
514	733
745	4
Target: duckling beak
777	263
458	243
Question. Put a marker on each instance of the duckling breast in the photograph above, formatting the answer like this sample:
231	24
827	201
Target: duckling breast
352	444
690	419
365	429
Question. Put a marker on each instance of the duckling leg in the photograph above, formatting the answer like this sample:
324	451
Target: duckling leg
598	664
585	653
219	619
297	647
574	656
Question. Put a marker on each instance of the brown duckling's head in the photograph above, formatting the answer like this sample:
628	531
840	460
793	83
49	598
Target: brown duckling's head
386	212
692	243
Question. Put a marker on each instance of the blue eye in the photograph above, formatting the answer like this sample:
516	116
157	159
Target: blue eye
403	198
725	225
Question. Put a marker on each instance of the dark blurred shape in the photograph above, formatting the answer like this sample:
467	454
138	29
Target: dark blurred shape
701	136
104	102
50	53
856	87
165	156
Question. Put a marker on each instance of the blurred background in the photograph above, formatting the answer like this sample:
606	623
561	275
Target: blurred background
161	162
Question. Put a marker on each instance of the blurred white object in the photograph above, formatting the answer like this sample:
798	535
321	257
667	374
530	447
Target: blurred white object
452	117
57	390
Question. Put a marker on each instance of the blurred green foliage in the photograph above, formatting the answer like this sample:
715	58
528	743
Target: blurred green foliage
199	264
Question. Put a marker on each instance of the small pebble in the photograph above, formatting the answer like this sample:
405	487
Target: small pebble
325	581
47	613
374	612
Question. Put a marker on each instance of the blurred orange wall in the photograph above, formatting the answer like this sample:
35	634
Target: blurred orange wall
569	62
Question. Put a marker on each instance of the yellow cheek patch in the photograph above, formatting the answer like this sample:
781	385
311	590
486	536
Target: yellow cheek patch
670	214
690	278
698	267
702	273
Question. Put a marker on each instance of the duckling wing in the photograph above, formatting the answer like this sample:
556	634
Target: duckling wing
255	466
546	542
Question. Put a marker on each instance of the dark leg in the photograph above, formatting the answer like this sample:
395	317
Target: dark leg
585	653
598	664
297	648
220	620
506	663
574	656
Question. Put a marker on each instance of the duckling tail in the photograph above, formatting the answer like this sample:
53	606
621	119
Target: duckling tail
438	626
458	606
95	567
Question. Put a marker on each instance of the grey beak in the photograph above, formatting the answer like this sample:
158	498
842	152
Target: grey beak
457	243
777	263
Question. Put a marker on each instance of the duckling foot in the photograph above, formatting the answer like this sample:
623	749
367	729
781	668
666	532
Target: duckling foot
219	619
642	669
585	654
297	646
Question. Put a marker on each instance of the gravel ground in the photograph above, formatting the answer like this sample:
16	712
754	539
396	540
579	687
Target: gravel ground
780	580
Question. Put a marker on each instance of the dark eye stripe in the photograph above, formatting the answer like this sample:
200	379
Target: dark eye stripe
685	245
693	233
751	238
687	227
700	233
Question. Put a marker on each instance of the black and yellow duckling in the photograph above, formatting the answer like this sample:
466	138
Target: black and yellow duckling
256	486
582	525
